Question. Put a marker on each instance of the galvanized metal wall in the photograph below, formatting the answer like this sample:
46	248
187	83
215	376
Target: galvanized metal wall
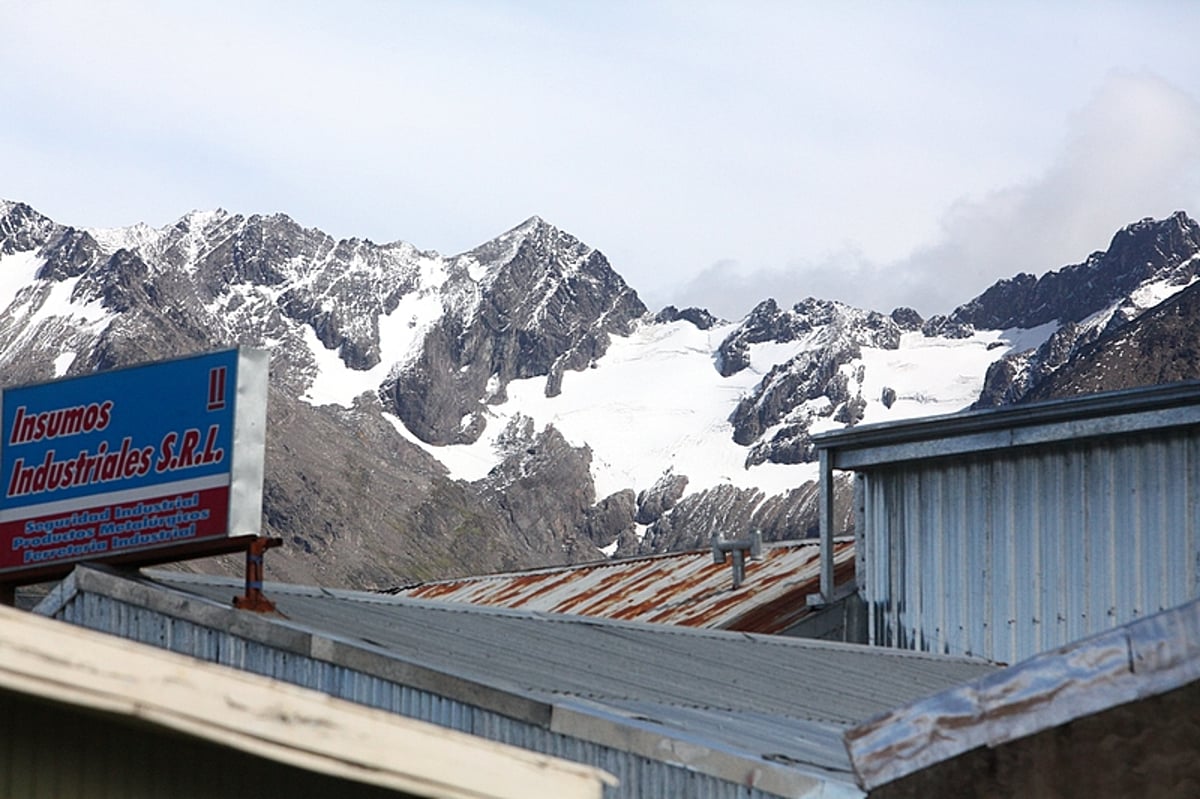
639	776
1010	554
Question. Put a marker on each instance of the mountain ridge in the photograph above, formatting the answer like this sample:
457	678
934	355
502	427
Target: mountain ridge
517	405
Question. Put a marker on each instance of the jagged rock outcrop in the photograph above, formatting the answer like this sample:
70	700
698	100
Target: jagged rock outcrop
1161	346
907	319
774	419
1090	300
736	512
377	346
699	317
611	520
545	305
660	498
1147	250
23	229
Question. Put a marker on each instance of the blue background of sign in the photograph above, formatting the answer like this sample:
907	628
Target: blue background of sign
148	403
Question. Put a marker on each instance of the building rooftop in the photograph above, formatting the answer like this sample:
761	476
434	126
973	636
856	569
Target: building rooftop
1145	658
722	703
682	588
1107	413
205	702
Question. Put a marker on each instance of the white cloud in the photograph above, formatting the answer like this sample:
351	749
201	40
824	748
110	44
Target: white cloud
1133	151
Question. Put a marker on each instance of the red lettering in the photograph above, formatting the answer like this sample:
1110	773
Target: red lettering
212	454
187	450
16	485
166	457
17	436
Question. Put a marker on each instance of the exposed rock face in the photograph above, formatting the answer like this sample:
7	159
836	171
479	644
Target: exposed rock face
23	229
1161	346
699	317
660	498
774	419
544	491
907	319
734	512
611	520
546	304
1147	250
434	343
1090	301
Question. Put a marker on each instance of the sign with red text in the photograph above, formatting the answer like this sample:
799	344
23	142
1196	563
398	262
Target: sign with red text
160	457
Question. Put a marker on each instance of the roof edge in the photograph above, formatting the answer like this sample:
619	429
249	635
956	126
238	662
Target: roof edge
291	725
1142	659
579	718
279	633
569	716
1143	408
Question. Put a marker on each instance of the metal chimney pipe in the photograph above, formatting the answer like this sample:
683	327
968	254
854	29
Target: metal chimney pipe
742	548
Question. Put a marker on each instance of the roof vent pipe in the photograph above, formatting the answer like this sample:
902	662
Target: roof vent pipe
741	548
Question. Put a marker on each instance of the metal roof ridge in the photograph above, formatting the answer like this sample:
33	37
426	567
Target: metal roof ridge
1104	403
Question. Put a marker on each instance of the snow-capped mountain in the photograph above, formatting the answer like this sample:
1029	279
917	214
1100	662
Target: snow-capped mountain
516	404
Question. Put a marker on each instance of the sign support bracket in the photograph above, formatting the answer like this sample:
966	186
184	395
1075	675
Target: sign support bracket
254	599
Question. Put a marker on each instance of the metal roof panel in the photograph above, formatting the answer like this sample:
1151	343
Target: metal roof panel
683	588
746	701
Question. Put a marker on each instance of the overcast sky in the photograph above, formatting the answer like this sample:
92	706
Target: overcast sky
884	154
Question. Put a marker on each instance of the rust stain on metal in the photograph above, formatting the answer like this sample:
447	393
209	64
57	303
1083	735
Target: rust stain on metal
685	588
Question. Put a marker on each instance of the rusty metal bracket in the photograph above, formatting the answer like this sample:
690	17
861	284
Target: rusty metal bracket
254	600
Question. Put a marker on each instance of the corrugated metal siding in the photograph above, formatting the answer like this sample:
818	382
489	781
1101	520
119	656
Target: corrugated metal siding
1010	554
686	589
639	776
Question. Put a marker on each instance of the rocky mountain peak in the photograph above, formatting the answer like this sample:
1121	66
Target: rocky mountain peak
1144	251
23	229
1145	261
533	302
364	334
773	420
544	243
823	320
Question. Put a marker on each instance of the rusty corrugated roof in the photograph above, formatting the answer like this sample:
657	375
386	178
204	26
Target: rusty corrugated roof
682	588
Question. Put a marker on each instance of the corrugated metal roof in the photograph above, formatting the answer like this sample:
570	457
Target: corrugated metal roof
737	704
684	588
544	655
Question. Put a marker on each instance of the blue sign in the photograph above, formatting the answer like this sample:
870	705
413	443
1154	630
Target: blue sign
132	459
